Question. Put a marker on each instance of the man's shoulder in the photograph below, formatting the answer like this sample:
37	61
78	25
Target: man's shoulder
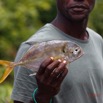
94	34
45	33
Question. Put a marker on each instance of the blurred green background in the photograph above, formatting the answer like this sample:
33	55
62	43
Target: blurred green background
19	19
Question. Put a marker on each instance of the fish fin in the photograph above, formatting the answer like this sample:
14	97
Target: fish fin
61	59
33	74
9	67
56	57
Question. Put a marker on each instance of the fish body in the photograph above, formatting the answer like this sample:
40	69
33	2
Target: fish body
58	49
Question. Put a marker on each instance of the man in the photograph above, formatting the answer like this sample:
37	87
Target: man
53	83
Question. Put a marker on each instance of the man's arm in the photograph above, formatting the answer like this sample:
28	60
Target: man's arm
49	78
22	102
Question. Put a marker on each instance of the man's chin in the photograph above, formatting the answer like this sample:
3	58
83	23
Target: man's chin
78	18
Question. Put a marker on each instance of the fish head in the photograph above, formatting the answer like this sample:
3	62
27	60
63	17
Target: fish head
72	51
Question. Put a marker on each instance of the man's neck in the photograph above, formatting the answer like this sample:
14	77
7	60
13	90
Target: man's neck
74	29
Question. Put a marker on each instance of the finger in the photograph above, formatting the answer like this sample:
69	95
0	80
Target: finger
44	64
57	71
57	82
51	67
61	77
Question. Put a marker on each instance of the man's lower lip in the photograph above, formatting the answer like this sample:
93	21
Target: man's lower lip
78	9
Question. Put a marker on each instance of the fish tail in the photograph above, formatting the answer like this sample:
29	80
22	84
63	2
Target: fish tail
9	67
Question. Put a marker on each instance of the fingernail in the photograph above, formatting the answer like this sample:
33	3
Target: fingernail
52	58
64	61
59	60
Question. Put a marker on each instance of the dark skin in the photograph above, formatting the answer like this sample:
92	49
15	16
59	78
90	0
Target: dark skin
49	78
72	17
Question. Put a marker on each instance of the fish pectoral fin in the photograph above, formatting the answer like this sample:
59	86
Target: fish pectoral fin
56	57
33	74
9	67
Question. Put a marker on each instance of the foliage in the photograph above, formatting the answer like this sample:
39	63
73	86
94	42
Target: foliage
96	18
5	92
18	21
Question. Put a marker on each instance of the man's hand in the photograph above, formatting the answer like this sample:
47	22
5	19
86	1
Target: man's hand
49	79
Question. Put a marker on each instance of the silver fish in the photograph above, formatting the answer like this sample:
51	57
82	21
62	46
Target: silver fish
58	49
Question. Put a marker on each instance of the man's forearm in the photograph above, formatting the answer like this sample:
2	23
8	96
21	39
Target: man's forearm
38	101
31	101
17	101
38	98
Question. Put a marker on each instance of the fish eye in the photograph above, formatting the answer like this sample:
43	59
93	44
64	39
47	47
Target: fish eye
76	51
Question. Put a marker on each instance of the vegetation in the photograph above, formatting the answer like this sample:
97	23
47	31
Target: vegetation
96	18
19	19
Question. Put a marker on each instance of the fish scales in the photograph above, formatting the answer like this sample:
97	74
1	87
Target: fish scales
56	48
40	49
34	56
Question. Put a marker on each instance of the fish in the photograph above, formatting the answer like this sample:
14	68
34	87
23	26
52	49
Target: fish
58	49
